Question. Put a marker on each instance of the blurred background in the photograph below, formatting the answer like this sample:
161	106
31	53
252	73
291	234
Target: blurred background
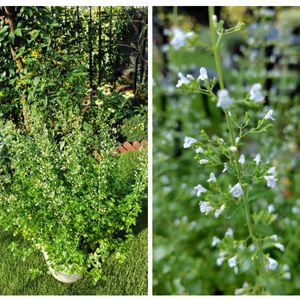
265	52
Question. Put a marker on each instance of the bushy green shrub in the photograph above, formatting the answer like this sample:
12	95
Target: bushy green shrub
135	128
59	196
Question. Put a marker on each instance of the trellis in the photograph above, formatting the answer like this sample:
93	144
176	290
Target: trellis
137	18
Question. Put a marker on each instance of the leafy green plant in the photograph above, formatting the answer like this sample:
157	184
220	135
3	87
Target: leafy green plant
135	128
58	196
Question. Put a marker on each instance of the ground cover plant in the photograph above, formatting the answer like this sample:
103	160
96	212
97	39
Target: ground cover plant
226	155
66	191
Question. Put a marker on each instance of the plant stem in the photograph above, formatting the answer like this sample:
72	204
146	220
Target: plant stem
233	142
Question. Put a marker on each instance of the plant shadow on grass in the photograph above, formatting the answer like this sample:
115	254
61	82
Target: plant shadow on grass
129	278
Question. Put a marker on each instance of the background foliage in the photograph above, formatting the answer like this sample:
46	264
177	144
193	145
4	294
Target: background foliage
266	52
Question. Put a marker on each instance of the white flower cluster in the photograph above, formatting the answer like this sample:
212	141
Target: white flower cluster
186	80
271	178
205	207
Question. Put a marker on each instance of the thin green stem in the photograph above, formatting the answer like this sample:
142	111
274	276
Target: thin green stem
215	48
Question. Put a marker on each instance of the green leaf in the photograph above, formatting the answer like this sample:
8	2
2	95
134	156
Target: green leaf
62	144
246	262
11	37
233	210
2	36
36	81
4	29
262	230
18	32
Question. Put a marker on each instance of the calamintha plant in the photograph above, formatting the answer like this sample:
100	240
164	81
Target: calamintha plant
238	177
78	208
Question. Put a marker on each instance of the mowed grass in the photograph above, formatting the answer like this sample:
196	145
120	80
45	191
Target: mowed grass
129	278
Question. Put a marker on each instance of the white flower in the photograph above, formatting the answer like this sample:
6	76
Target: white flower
200	189
225	167
256	94
236	190
221	258
190	77
233	148
269	114
271	181
203	161
219	211
215	241
271	171
229	232
214	17
203	74
285	268
237	139
182	80
232	262
179	37
252	247
287	275
274	237
239	292
279	246
257	158
220	261
205	207
242	159
271	208
236	270
241	246
272	264
188	142
224	100
199	150
212	178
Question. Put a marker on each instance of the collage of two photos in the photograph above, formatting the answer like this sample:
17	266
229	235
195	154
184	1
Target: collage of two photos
96	200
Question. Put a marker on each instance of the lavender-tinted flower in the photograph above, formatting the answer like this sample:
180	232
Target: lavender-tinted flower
212	178
188	142
236	190
205	207
200	189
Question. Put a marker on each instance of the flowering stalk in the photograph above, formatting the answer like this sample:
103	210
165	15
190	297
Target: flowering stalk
215	49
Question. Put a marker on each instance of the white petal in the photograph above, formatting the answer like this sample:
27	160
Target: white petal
236	190
232	262
188	142
224	100
272	264
242	159
203	74
269	116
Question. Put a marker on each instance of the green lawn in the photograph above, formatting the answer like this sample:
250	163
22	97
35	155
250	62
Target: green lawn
129	278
